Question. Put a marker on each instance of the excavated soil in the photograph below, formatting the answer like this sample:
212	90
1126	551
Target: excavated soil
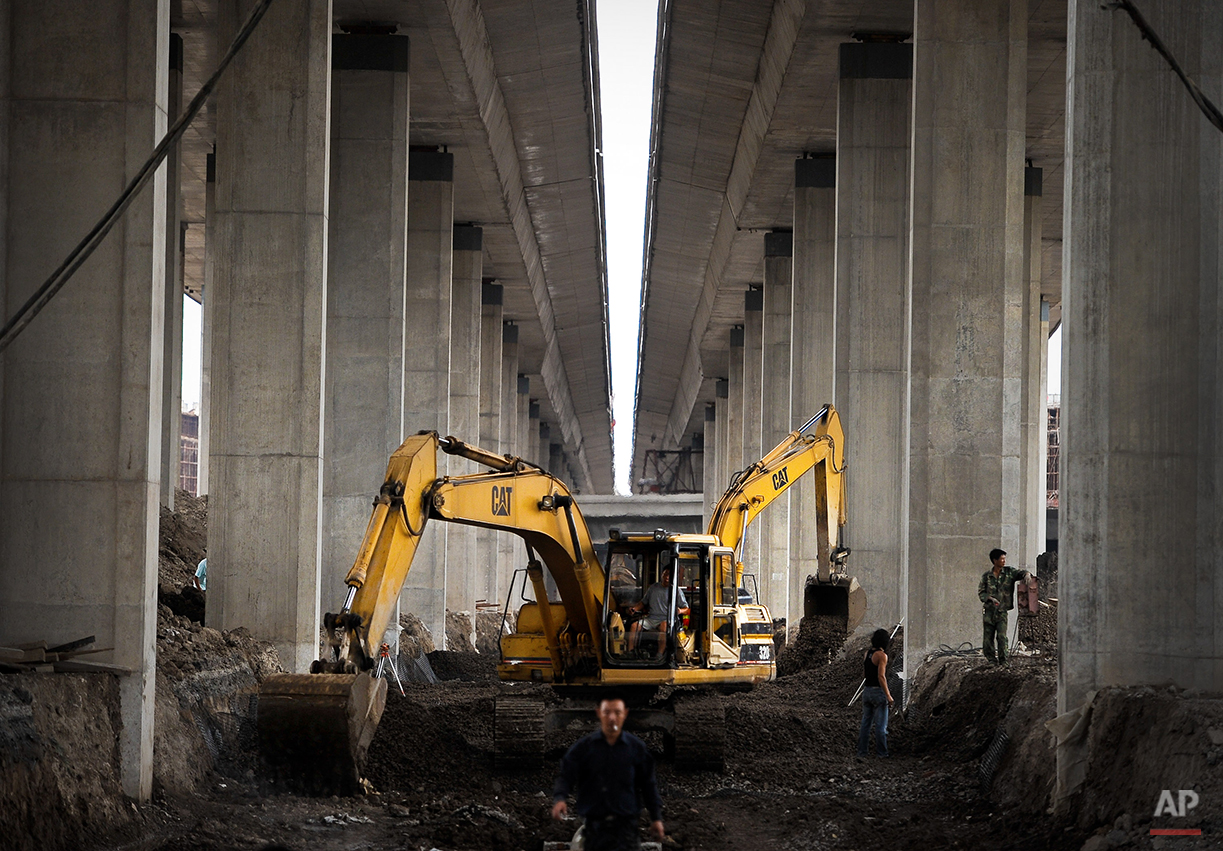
971	764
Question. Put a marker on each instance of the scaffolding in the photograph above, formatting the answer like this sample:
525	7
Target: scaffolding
1051	463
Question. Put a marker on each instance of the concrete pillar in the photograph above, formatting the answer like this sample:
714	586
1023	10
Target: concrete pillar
734	406
366	280
753	378
556	459
172	353
709	462
206	322
966	233
509	549
775	421
462	559
813	348
269	320
532	433
81	387
872	377
1142	401
721	449
490	427
426	359
523	402
1034	429
542	442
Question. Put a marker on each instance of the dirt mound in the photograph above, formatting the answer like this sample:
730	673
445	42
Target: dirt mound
459	631
414	637
465	666
181	545
819	640
488	632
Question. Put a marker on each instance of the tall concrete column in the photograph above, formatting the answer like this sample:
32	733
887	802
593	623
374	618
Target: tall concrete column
462	560
966	274
206	322
813	349
872	377
523	402
490	427
721	449
532	433
543	441
1141	468
775	421
426	359
81	387
1034	430
753	378
269	321
508	545
709	462
366	280
172	354
734	406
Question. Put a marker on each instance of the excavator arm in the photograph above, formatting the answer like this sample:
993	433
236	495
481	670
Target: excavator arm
818	446
318	726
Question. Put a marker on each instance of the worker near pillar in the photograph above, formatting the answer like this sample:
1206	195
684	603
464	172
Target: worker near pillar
613	773
997	593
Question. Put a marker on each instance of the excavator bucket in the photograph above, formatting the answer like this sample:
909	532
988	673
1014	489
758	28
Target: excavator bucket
315	729
839	601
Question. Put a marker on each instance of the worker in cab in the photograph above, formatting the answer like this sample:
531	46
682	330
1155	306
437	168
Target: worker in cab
654	608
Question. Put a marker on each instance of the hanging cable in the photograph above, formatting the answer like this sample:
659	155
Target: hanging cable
1204	103
43	295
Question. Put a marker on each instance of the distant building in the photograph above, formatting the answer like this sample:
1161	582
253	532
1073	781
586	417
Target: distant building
1052	485
189	452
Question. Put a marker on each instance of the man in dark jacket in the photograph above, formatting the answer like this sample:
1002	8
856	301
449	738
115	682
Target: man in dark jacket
997	594
613	773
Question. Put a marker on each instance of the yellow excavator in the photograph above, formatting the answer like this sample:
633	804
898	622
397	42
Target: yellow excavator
662	610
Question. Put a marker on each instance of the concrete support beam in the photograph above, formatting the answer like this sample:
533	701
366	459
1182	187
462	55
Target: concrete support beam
366	279
1034	428
532	433
172	353
81	424
508	546
813	350
709	462
721	449
966	274
1142	471
207	319
523	402
465	331
734	404
873	135
426	359
491	312
543	439
753	378
775	420
269	326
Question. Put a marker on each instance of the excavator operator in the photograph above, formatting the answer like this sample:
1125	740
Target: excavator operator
654	605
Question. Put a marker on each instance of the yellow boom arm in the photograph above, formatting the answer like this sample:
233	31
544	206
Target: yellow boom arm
514	496
819	446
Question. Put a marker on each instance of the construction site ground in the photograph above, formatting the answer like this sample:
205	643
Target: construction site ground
971	765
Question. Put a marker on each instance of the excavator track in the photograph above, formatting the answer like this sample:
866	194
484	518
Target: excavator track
699	738
518	732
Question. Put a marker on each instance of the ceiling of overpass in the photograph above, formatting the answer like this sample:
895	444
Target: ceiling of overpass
507	87
748	87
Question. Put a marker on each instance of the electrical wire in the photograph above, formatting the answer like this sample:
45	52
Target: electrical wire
1148	33
43	295
963	650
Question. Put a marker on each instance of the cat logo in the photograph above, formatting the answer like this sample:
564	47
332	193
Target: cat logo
780	479
501	501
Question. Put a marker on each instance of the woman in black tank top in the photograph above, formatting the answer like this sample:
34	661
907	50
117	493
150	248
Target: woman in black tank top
876	698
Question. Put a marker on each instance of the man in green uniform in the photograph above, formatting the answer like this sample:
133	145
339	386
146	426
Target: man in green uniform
997	593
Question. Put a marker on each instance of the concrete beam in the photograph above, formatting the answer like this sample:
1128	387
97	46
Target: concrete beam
775	420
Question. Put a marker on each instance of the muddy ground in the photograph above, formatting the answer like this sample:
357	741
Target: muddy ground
792	779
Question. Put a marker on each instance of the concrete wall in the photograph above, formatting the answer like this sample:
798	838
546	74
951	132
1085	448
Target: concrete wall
81	388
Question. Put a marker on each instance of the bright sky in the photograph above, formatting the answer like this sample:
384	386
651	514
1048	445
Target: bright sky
626	78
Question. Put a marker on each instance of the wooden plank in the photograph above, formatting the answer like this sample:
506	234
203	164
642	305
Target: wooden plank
11	654
33	645
34	654
72	654
73	645
72	666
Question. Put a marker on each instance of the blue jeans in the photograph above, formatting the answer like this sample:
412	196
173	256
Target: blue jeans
874	711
